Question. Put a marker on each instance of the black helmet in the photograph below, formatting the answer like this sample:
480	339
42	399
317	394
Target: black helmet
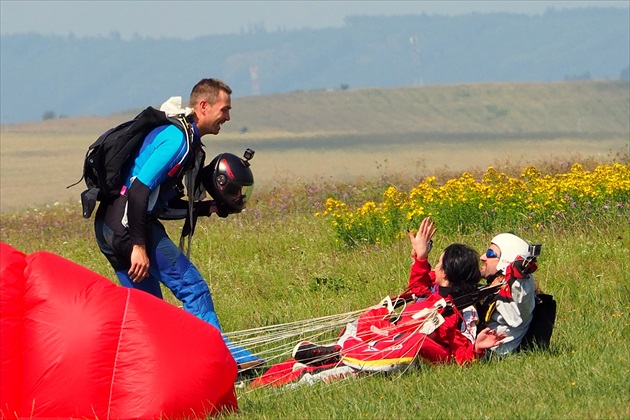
229	180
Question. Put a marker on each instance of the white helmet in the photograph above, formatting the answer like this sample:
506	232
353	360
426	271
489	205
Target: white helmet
511	246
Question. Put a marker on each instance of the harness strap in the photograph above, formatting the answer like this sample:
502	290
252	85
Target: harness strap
190	185
476	296
489	312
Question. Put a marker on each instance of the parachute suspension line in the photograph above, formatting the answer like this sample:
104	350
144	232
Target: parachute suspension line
289	325
277	341
275	332
292	328
395	304
283	351
311	329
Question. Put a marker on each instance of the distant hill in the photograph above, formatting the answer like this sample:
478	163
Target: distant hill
52	76
340	135
466	111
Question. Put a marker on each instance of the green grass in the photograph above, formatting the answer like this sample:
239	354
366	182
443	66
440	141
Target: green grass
277	262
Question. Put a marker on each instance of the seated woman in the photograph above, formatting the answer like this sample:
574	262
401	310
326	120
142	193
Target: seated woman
430	327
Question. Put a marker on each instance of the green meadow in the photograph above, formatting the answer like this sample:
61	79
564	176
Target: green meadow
278	262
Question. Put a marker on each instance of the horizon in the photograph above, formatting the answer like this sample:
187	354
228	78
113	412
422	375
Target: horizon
129	19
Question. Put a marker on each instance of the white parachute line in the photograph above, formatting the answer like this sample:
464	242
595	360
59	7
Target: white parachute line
363	373
326	329
272	342
283	351
286	339
404	306
367	373
297	330
291	325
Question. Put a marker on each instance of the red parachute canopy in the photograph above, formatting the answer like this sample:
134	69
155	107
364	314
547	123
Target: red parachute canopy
74	344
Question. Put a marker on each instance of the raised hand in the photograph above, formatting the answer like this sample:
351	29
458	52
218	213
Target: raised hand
420	241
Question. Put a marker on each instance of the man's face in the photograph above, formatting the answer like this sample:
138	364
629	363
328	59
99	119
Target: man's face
489	264
212	116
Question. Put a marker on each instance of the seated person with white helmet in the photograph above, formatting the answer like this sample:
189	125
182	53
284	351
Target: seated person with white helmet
512	311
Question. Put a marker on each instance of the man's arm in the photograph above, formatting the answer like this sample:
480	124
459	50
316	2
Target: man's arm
137	219
177	209
520	305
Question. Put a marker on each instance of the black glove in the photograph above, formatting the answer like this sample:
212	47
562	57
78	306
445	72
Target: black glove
203	208
222	210
523	267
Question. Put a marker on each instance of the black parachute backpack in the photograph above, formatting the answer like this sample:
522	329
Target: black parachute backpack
541	327
107	156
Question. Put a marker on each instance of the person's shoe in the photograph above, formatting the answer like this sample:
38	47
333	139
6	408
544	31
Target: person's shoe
250	364
248	370
314	355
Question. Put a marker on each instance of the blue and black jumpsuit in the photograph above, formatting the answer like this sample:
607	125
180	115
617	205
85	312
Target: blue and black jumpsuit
154	184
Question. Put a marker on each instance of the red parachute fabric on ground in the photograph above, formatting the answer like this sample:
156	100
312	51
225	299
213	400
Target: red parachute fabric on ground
12	265
74	344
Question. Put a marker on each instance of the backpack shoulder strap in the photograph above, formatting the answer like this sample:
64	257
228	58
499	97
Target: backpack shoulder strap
182	122
479	295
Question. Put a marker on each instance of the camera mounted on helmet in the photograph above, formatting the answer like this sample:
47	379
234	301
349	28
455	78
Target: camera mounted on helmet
229	180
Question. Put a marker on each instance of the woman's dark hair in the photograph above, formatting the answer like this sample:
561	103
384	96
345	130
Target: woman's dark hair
461	267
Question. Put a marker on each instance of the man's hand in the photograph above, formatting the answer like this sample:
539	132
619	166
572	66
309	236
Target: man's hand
488	338
222	210
139	264
523	267
420	241
207	207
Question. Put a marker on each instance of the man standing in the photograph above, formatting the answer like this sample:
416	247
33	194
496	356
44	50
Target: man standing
127	228
512	311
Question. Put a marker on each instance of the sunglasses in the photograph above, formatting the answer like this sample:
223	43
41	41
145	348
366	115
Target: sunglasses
491	254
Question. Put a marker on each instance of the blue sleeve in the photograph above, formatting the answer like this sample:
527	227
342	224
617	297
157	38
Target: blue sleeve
162	151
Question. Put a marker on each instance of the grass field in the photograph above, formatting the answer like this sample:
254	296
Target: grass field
277	262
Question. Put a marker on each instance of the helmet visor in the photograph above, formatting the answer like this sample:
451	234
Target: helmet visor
246	193
237	196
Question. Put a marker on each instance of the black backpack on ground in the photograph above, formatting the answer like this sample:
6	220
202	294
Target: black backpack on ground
541	328
107	156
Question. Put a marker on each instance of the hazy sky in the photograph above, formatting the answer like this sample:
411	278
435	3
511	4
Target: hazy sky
189	19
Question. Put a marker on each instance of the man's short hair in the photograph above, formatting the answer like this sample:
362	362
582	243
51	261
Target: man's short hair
208	90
